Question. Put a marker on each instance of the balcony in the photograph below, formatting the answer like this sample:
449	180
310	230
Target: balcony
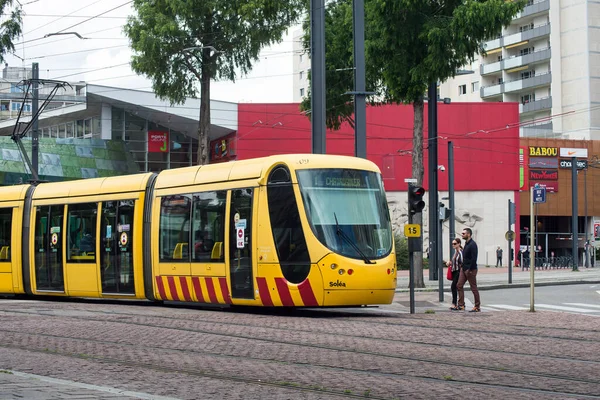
541	130
532	82
536	32
494	90
534	7
492	46
536	105
515	61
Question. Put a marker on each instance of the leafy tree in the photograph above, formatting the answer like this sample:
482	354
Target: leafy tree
10	26
408	44
180	42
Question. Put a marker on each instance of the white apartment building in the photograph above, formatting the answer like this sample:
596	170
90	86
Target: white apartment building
301	60
12	91
548	60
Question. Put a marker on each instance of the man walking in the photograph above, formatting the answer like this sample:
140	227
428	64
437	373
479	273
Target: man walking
468	272
499	257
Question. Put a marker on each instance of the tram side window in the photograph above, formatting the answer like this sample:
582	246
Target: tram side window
174	228
82	233
288	235
209	226
5	232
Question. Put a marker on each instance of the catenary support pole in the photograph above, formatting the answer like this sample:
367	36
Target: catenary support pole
531	250
509	242
35	75
433	189
360	112
575	211
317	39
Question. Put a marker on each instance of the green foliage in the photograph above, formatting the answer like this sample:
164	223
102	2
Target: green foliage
402	262
10	26
162	29
408	44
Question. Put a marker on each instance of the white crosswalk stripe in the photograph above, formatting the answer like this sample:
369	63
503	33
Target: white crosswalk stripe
563	308
584	305
576	308
507	307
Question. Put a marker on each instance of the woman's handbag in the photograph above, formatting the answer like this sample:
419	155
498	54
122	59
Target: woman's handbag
449	273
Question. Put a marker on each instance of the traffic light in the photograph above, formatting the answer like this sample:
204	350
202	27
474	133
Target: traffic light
415	199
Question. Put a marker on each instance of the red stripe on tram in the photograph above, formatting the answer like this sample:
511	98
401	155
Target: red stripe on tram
161	288
173	288
184	288
211	290
284	292
225	290
198	289
307	294
263	292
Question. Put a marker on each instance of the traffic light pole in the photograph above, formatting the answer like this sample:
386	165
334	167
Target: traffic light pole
411	273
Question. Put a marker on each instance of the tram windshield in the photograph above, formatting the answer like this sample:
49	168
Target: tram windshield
347	210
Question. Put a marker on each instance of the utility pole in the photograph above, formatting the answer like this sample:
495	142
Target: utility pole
433	183
451	196
35	96
317	53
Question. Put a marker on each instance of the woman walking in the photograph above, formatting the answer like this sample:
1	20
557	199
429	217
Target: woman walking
456	265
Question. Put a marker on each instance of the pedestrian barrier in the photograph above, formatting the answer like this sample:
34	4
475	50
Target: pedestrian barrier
549	262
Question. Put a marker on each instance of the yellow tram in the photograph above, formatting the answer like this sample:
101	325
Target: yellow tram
289	230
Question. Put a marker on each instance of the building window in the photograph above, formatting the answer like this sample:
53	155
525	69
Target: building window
15	88
474	86
527	74
462	89
301	92
527	98
16	106
301	75
301	57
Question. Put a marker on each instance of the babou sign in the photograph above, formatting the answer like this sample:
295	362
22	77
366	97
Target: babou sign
535	151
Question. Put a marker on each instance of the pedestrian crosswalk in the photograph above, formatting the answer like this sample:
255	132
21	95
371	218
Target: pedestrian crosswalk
574	308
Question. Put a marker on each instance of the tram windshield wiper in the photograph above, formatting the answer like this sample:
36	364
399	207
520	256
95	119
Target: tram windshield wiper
344	236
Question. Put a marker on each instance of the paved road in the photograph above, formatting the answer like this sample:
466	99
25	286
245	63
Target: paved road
93	350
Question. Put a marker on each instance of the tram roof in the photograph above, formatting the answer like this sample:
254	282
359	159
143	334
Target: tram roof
12	193
94	186
256	168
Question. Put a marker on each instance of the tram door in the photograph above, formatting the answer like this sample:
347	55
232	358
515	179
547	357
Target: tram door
49	274
240	244
116	260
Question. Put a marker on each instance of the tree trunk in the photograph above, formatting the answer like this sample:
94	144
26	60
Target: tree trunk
417	173
204	128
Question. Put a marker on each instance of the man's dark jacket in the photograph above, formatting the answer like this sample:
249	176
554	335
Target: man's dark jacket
470	255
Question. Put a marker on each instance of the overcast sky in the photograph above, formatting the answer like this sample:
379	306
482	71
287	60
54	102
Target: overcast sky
103	57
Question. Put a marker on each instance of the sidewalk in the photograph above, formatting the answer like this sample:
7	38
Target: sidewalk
497	278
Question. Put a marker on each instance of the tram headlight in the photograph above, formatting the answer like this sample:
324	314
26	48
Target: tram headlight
334	266
341	271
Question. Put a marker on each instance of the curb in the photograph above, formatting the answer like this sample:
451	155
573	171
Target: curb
503	286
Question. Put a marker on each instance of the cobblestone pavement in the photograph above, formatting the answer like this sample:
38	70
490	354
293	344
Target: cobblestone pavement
95	350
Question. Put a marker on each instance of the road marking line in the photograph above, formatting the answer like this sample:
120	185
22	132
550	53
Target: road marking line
583	305
562	308
509	307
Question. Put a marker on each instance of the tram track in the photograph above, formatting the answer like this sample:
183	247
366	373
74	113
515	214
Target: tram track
304	387
153	324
